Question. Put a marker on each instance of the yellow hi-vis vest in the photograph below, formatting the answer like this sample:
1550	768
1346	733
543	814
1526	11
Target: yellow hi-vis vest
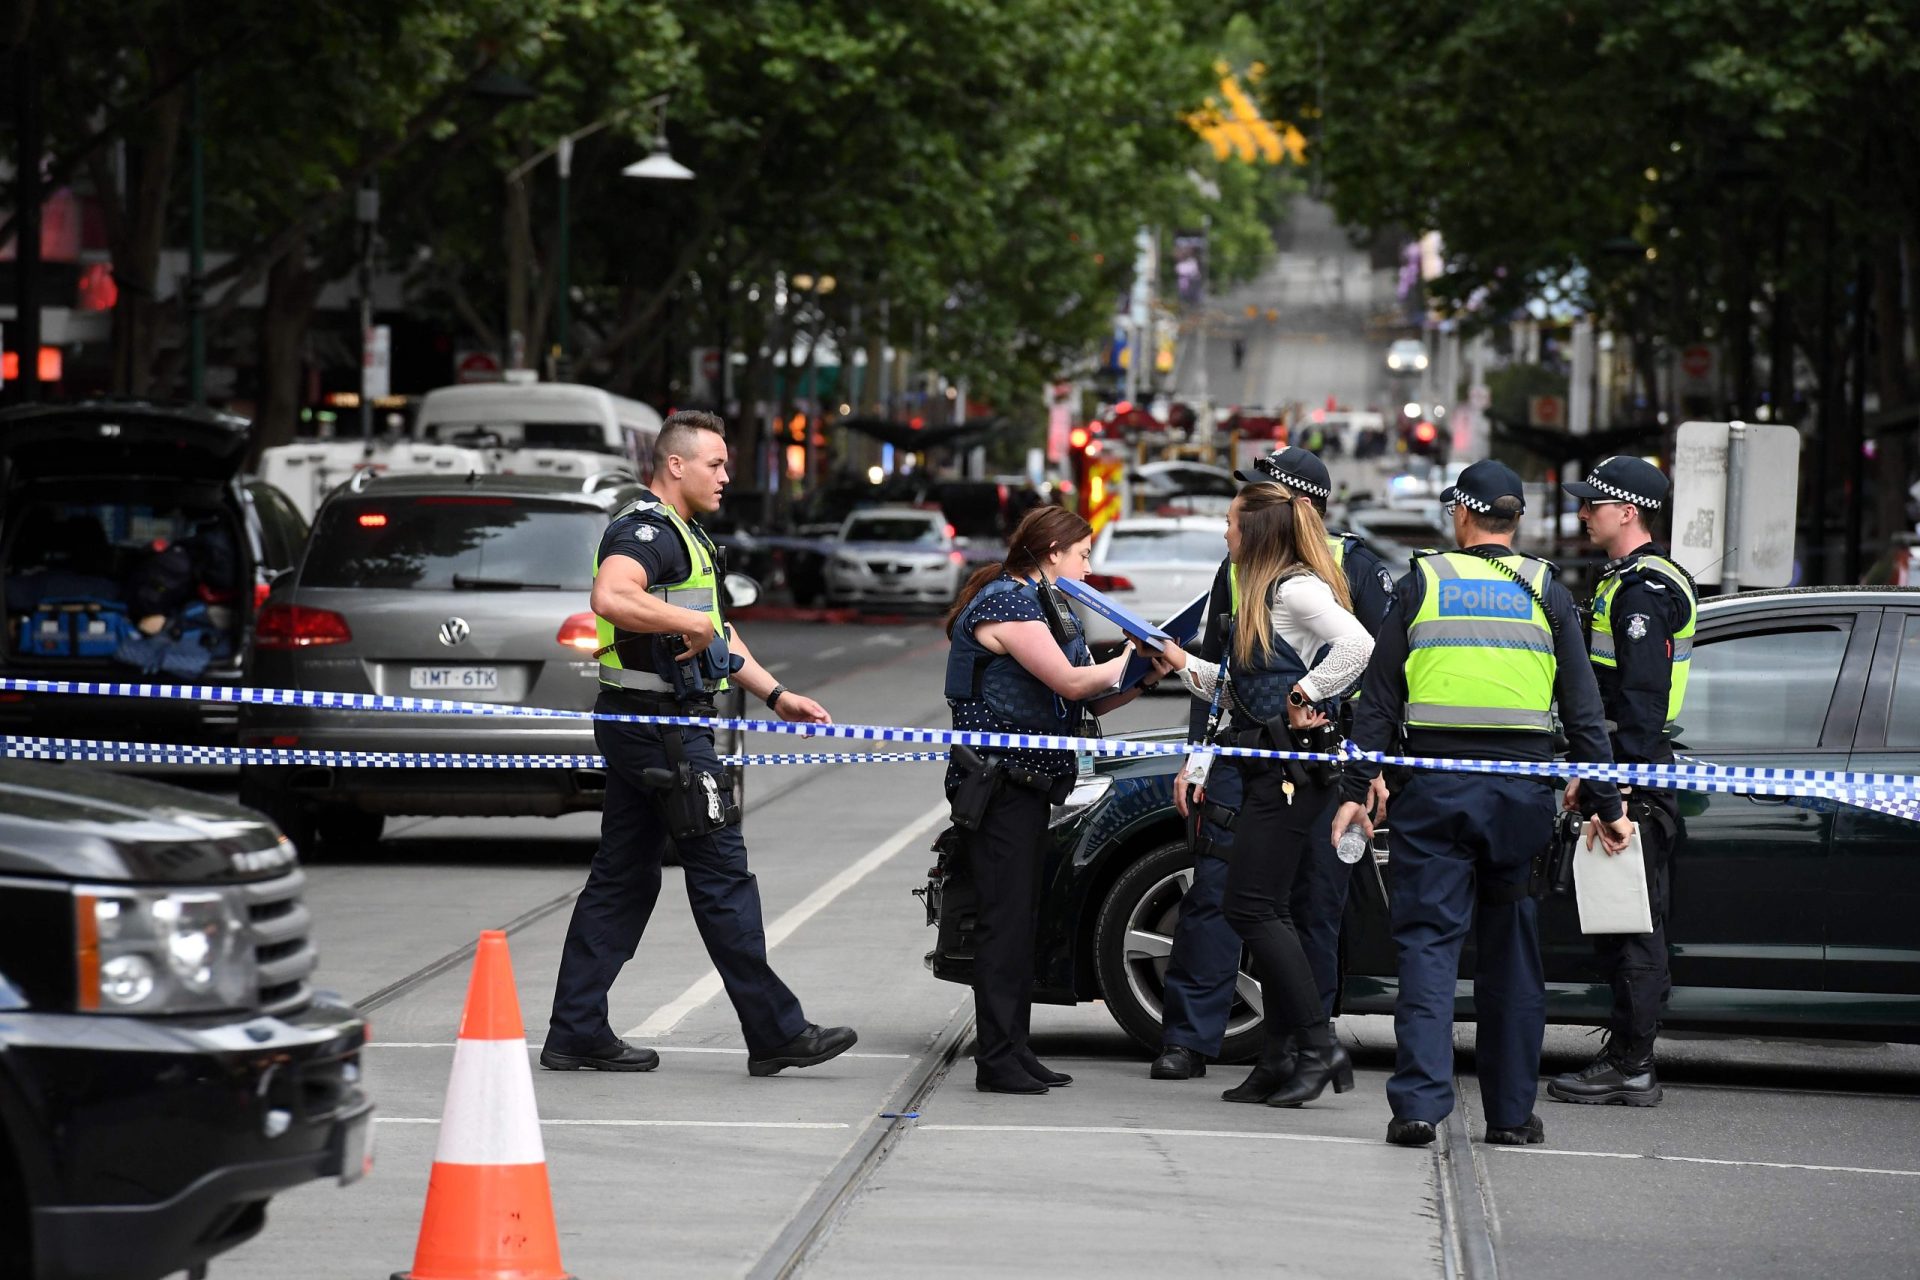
699	591
1480	649
1600	642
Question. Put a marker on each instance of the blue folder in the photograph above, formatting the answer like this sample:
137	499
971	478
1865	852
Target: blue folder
1113	611
1183	628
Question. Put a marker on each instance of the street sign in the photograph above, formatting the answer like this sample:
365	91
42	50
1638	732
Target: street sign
1547	411
1696	362
475	366
1762	528
376	382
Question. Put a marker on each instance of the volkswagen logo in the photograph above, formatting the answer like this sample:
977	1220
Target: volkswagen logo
453	631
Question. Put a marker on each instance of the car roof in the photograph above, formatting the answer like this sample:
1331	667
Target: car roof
1844	594
1147	524
929	514
608	489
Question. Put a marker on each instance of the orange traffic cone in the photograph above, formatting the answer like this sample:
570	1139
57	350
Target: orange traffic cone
489	1212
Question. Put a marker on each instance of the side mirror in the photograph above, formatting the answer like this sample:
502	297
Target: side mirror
739	590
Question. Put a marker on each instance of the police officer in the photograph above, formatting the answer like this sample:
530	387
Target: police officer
1641	641
656	594
1478	646
1198	989
1019	663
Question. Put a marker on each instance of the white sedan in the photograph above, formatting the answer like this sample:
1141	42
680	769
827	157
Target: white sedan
898	556
1154	565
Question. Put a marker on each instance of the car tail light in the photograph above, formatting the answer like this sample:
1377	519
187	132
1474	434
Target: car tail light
261	590
1109	582
581	631
373	519
295	626
957	557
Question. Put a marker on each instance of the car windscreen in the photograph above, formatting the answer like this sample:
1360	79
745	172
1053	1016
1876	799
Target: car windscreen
1411	533
452	542
1166	546
905	529
588	437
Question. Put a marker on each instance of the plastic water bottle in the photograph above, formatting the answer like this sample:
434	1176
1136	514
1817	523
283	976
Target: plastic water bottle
1353	844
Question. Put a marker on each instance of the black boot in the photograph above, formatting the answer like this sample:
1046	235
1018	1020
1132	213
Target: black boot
1609	1079
1320	1062
1043	1073
1276	1065
1177	1062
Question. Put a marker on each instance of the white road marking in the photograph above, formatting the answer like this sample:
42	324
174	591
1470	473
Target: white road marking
668	1016
1736	1164
1155	1133
834	652
776	668
664	1048
650	1124
886	639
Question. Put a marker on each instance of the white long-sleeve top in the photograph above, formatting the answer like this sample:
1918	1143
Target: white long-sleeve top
1307	617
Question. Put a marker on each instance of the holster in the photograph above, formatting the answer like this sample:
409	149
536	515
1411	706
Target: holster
1204	845
1560	850
694	802
979	780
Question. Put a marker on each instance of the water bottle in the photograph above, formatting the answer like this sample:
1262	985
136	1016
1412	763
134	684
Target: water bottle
1353	844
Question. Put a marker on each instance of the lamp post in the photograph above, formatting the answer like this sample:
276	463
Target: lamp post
659	165
366	212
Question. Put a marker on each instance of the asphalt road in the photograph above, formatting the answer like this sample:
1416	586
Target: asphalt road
1770	1157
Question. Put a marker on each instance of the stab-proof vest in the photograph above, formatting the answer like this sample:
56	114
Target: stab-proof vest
1600	642
699	591
1015	695
1258	691
1480	650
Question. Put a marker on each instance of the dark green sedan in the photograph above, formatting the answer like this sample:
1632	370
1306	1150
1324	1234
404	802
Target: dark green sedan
1797	916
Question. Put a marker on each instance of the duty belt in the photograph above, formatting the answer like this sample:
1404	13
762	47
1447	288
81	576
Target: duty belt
1026	779
634	681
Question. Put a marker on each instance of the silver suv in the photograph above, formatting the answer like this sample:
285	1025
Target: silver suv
427	586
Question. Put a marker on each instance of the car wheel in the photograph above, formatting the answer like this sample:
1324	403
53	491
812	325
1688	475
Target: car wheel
349	830
1133	942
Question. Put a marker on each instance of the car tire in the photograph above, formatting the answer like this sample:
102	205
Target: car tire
348	831
1145	902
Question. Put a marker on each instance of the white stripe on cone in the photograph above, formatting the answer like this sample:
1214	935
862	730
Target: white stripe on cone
490	1116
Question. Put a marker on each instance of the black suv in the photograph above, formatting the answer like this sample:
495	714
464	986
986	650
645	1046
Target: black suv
130	549
1787	914
165	1069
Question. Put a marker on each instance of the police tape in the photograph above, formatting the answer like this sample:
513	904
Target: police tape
101	751
1863	789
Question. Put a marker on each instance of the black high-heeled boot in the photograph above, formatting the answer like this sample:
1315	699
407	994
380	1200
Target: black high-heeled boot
1320	1061
1275	1068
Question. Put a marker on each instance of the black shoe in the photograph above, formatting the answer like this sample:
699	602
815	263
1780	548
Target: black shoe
1605	1080
1021	1083
1318	1066
1045	1075
617	1056
1518	1135
1177	1062
1409	1133
808	1049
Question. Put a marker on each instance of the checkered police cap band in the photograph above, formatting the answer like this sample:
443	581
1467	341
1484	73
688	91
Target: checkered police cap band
1271	470
1621	495
1471	503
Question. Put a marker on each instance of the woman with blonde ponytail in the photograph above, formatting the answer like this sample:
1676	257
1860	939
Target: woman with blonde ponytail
1290	605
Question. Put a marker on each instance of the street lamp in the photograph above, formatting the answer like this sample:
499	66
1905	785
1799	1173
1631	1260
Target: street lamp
659	165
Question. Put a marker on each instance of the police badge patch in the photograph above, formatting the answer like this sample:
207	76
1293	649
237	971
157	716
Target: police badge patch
1386	582
645	533
1637	626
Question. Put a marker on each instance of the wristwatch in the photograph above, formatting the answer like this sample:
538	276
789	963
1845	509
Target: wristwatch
774	695
1297	699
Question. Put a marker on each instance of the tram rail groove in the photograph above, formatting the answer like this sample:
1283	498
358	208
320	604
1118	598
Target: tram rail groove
809	1227
1466	1231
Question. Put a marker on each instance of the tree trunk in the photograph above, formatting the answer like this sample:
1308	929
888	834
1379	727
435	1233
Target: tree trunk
1894	381
292	289
519	231
139	232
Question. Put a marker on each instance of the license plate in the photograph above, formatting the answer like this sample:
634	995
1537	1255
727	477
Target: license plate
454	678
356	1148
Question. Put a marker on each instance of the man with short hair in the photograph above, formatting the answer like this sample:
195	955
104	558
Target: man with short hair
657	591
1479	645
1199	985
1641	625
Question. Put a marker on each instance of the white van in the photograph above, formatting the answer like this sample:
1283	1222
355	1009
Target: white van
542	428
307	470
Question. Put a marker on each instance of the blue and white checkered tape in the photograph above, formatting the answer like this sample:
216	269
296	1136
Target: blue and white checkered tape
1897	794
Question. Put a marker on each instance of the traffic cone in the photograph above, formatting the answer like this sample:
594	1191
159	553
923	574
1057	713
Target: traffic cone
489	1212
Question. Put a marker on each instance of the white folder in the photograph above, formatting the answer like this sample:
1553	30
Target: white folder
1612	891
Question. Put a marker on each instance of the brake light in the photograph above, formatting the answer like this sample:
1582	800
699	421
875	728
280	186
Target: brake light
951	532
957	557
581	631
1109	582
295	626
373	520
261	590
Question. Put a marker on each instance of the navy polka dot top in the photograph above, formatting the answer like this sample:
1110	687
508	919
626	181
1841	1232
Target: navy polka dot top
977	716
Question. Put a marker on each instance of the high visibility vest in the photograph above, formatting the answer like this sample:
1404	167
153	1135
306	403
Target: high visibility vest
1480	650
699	591
1338	546
1600	642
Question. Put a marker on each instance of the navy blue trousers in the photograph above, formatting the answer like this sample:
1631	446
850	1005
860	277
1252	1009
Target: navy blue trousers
1205	961
1454	838
624	882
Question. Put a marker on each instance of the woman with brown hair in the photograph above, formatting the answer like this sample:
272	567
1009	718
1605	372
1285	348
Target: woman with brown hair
1293	648
1019	664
